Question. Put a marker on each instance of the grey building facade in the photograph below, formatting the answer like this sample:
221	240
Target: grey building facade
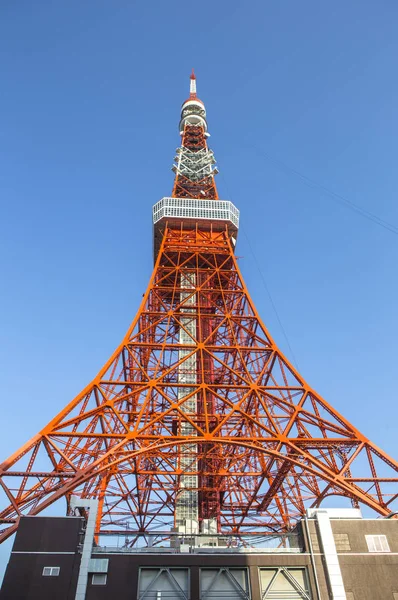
333	554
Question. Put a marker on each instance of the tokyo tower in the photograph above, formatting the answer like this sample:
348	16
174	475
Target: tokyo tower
197	420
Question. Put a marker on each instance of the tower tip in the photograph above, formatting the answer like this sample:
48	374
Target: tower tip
192	87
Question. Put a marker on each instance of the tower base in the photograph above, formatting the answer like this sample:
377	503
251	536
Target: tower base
331	553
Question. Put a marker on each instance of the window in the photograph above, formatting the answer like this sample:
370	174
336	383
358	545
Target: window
377	543
284	582
99	579
51	571
342	542
163	583
224	584
98	565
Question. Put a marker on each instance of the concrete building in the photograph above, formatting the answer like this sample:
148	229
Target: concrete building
333	554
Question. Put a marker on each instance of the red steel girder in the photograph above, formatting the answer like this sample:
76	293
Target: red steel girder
267	444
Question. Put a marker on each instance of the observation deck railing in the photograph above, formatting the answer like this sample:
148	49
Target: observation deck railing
196	209
176	543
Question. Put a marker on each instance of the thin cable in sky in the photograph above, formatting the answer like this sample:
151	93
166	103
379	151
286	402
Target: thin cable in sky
263	280
270	298
337	197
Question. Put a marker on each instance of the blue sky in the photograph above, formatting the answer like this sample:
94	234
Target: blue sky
90	94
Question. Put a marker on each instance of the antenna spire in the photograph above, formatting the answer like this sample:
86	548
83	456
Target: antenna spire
192	87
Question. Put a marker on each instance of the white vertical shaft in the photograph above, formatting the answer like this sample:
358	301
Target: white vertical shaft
92	506
330	556
187	510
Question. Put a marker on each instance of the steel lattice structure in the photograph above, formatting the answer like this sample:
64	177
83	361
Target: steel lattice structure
197	415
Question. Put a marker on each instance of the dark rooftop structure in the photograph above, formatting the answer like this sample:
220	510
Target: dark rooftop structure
332	554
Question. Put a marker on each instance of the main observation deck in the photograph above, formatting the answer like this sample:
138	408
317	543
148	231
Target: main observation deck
188	212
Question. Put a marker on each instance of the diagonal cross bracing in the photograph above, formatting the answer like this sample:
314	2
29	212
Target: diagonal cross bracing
197	416
197	408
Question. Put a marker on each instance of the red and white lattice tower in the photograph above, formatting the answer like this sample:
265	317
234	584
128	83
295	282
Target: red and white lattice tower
197	420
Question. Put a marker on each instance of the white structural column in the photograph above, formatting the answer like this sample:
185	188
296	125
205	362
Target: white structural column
330	555
92	506
186	508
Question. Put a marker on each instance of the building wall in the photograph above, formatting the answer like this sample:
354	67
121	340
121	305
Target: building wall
43	542
369	575
366	575
47	541
123	571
